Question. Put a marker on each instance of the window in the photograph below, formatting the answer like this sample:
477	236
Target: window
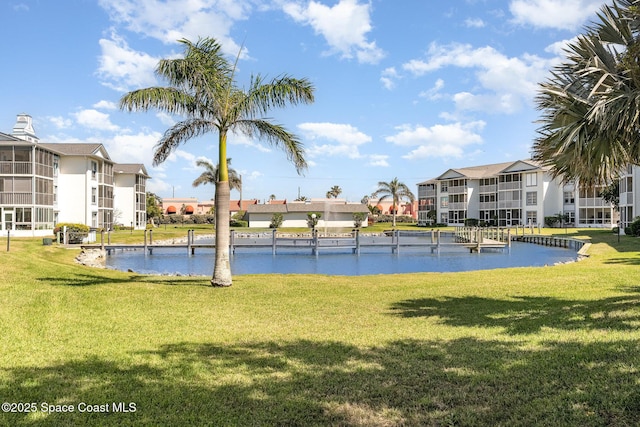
532	179
532	198
444	201
94	196
571	216
569	198
444	187
94	170
532	217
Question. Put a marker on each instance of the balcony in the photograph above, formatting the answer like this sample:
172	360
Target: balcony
16	198
488	205
15	168
459	189
509	204
510	185
592	202
457	206
488	188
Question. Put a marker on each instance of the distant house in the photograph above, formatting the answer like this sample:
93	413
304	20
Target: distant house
191	206
405	207
331	214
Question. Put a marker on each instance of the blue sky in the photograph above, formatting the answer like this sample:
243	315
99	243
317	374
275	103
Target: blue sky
404	88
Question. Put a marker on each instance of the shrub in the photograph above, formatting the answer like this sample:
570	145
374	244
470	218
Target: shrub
76	232
634	228
358	219
276	220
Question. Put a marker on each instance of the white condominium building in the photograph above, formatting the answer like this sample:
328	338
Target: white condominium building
42	184
509	194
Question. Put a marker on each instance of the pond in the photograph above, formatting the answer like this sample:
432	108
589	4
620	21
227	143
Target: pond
340	261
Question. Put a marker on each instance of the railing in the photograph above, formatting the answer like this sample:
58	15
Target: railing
44	199
15	168
510	185
483	234
105	202
458	189
506	204
488	206
589	202
457	206
16	198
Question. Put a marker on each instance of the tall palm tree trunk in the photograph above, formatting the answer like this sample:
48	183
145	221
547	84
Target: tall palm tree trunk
222	269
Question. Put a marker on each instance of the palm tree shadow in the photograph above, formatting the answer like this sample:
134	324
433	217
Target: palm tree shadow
86	279
404	382
525	315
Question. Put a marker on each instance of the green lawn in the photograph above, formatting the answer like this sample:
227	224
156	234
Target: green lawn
514	347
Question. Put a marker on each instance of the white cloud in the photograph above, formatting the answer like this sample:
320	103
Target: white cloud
171	20
559	48
165	119
474	23
133	148
342	139
122	68
378	160
105	105
508	82
60	122
438	140
389	77
344	26
434	94
94	119
238	139
559	14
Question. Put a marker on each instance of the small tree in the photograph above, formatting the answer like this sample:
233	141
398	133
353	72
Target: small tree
611	194
432	216
276	220
312	219
153	208
359	218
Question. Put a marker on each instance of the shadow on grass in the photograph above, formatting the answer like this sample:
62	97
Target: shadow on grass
525	314
86	279
305	383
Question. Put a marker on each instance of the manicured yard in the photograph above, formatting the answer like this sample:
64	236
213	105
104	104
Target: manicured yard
515	347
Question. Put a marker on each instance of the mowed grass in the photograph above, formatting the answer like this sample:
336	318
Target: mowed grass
514	347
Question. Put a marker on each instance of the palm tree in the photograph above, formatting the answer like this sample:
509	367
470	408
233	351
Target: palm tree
334	192
210	175
202	89
591	104
395	189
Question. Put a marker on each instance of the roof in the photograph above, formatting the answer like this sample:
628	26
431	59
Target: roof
6	137
78	149
235	204
131	168
488	171
309	207
476	172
